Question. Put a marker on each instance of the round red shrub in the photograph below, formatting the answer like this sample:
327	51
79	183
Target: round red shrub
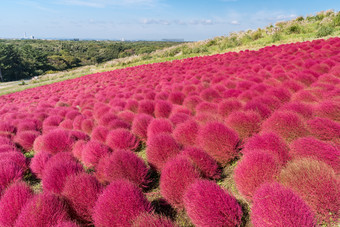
56	173
99	133
281	93
146	107
160	148
81	191
66	124
203	162
159	125
303	109
42	210
245	123
106	118
7	127
207	107
191	102
78	148
87	125
255	168
126	116
76	135
123	165
275	205
38	163
162	109
176	176
53	120
316	149
258	107
228	106
186	133
286	124
14	198
209	94
92	152
324	129
271	143
9	173
140	125
8	148
218	141
16	157
328	109
122	139
150	219
176	97
67	224
26	139
26	126
207	204
132	105
56	141
318	186
119	194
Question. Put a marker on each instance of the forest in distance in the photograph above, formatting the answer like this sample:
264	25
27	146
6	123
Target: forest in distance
24	59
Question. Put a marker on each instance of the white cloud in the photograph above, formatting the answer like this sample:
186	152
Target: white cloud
235	22
105	3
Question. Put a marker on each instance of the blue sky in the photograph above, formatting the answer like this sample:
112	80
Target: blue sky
147	19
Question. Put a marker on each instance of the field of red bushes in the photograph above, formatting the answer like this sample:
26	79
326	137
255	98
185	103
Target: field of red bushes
142	146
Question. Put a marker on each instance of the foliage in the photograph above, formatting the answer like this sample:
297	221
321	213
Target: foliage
324	31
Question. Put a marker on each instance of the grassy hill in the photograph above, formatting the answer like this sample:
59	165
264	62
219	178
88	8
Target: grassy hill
324	24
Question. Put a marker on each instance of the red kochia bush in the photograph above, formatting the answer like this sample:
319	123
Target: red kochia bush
9	172
146	107
209	205
163	109
245	123
140	125
316	149
186	133
228	106
277	206
152	220
16	157
123	165
38	163
218	141
318	186
56	173
176	176
26	139
92	152
42	210
160	148
119	204
56	141
67	224
205	163
122	139
303	109
254	169
99	133
286	124
329	110
176	97
159	125
12	201
269	142
324	129
78	148
81	191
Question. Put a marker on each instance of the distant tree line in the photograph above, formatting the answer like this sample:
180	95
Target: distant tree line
21	59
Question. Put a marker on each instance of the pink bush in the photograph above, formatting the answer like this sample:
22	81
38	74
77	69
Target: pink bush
328	109
271	143
228	106
56	173
16	157
262	109
122	139
56	141
255	168
42	210
123	165
179	118
218	141
160	148
132	105
6	127
176	97
81	191
146	107
204	163
66	224
318	186
148	219
78	148
191	102
87	125
140	126
119	194
176	176
316	149
38	163
245	123
9	173
99	133
286	124
275	205
14	198
159	125
186	133
303	109
26	139
162	109
92	152
209	205
324	129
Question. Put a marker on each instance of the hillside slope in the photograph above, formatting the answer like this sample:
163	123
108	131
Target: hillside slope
322	25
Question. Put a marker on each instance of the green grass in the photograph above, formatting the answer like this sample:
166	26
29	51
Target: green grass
322	25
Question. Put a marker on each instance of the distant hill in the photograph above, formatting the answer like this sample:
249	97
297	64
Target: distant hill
321	25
